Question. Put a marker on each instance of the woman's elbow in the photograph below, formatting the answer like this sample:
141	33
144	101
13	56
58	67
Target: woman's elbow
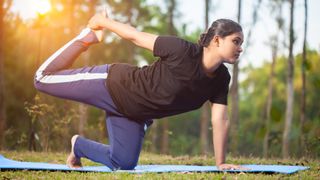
221	122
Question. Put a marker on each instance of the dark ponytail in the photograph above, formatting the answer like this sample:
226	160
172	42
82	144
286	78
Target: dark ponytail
220	27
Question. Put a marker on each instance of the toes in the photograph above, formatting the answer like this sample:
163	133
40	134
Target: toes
73	162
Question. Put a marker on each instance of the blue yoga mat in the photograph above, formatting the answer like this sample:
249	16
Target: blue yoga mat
8	164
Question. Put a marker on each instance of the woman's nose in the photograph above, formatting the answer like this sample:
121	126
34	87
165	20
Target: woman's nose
240	49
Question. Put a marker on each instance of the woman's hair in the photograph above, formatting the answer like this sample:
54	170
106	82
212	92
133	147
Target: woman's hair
220	27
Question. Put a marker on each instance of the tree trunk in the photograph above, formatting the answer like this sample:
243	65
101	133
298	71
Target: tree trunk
154	137
235	98
130	47
204	128
269	99
172	7
83	117
165	124
303	78
83	109
165	137
205	110
2	100
32	129
254	21
3	115
274	49
32	139
207	9
290	92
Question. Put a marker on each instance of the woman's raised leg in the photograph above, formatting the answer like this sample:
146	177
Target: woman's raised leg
85	85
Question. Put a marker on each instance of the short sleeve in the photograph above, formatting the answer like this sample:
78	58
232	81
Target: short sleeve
221	95
169	46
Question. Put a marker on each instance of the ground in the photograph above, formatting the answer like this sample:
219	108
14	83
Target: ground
147	158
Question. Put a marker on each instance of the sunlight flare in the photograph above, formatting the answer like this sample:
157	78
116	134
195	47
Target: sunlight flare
41	6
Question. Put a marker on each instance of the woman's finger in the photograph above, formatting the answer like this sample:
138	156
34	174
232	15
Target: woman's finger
232	167
244	168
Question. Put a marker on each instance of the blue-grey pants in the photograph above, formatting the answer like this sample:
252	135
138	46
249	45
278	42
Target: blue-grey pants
88	85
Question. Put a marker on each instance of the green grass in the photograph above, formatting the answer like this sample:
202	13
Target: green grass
147	158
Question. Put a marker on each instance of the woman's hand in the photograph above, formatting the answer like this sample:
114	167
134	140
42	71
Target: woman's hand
97	21
231	167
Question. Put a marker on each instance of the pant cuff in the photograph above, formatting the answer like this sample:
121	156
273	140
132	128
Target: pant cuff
76	150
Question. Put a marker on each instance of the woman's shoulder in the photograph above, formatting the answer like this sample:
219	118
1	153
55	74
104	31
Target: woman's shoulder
223	71
172	40
167	44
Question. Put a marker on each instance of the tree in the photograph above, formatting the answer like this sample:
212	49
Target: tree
290	91
172	31
165	136
255	93
3	10
2	102
254	21
130	48
129	12
274	44
303	78
205	110
235	95
83	109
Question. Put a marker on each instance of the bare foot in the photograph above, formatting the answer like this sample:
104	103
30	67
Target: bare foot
72	160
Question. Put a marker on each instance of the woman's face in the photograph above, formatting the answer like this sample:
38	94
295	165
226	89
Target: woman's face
230	48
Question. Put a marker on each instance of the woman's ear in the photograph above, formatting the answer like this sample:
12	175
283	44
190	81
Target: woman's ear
216	40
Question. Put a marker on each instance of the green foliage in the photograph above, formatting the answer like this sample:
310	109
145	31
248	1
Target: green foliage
28	43
253	105
50	123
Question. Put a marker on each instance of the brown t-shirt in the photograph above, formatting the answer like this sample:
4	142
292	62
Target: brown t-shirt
174	84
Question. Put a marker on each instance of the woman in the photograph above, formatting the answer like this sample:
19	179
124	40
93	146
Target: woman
184	77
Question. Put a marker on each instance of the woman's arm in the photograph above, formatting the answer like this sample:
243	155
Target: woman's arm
220	124
125	31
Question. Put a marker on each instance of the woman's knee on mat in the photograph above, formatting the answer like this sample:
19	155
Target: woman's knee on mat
125	162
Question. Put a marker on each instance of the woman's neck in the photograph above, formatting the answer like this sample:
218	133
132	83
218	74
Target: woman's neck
210	61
